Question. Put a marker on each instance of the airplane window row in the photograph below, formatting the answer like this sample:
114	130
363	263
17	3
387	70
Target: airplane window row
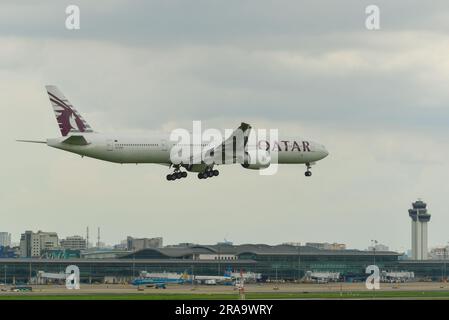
137	144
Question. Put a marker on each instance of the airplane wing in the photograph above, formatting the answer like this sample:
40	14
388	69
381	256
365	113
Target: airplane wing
231	150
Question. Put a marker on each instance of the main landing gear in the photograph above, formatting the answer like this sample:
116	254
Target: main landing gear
176	175
208	174
308	173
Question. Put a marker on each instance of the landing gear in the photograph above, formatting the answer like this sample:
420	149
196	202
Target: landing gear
208	174
176	175
308	173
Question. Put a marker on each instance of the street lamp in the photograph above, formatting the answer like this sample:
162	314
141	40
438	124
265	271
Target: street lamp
299	262
134	264
218	251
276	268
445	259
373	244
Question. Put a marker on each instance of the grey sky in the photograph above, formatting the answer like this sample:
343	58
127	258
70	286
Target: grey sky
378	101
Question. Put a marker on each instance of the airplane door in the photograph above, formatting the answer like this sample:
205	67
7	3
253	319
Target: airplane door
164	145
109	145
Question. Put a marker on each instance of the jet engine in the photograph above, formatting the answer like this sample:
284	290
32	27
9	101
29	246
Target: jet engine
257	159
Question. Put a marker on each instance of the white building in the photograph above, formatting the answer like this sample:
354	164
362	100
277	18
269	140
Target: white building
135	244
5	239
440	253
32	244
74	242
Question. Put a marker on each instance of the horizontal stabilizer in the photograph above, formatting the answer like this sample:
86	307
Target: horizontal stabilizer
32	141
76	140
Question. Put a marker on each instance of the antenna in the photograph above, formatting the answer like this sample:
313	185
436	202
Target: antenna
98	239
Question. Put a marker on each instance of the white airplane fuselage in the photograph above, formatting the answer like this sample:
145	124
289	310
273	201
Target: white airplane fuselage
156	148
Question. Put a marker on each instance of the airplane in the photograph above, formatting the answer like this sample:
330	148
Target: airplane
212	280
322	277
159	281
78	137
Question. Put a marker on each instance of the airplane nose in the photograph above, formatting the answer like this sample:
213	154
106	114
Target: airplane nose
324	151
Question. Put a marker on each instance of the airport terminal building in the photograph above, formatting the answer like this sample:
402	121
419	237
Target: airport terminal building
281	262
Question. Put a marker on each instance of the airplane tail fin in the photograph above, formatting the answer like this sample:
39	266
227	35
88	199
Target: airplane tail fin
69	119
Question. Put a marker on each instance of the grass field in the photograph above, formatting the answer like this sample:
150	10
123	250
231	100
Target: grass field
249	296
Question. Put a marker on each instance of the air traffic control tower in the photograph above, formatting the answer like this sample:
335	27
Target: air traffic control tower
420	217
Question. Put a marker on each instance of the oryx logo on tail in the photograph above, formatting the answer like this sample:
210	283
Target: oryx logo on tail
69	120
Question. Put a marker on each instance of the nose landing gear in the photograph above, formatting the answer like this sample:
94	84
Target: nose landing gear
308	173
